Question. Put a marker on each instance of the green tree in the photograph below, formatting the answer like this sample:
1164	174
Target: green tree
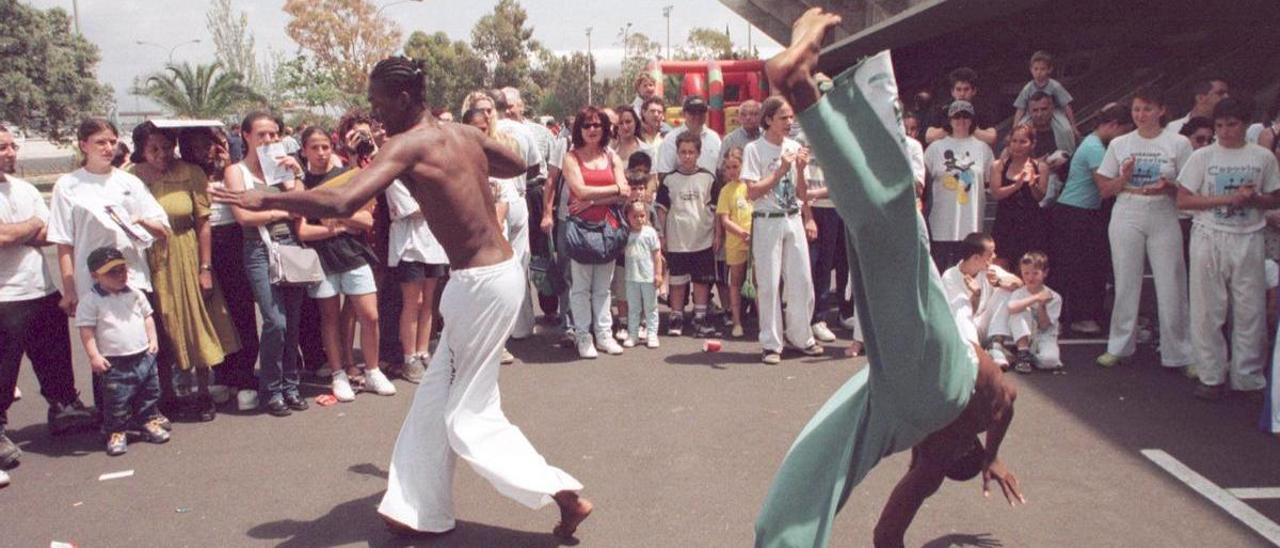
453	69
506	44
706	44
233	41
640	50
301	81
345	37
48	76
565	83
203	91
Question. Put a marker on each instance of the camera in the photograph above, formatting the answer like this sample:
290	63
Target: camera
362	144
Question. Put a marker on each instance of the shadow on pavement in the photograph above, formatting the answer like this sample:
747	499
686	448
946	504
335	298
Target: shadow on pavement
35	439
357	521
962	540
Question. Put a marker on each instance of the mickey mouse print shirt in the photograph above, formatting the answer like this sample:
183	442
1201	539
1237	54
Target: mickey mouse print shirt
957	171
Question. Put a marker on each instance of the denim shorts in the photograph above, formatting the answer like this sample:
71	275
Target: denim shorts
413	271
357	281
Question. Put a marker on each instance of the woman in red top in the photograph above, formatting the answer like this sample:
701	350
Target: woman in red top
595	179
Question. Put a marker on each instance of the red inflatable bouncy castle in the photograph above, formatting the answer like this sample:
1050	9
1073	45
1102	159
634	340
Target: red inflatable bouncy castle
723	84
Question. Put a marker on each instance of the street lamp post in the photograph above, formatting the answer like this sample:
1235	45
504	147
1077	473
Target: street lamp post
590	66
666	12
389	4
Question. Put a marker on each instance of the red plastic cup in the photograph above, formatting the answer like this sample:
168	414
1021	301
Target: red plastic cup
711	346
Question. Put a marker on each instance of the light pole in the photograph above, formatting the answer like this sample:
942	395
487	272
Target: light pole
171	50
666	12
626	32
590	67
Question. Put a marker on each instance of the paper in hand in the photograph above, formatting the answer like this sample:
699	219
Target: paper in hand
138	235
274	173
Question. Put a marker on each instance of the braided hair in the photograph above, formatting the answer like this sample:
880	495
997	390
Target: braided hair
401	73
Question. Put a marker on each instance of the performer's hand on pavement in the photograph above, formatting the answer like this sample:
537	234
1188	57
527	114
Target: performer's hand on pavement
243	199
1008	482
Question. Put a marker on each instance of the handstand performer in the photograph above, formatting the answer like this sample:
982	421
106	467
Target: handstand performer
456	412
926	388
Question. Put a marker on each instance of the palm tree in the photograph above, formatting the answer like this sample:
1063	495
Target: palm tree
205	91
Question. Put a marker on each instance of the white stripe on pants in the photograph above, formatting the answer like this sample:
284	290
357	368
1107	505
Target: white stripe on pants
457	412
518	235
1146	227
1043	343
781	257
589	293
1228	274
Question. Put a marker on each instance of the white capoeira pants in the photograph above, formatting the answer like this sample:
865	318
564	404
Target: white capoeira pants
1145	227
457	414
1228	274
993	319
518	235
780	254
1043	343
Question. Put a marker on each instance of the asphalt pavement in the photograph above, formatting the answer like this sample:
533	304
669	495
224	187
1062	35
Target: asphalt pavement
676	447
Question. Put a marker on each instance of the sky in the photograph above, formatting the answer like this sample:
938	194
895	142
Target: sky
116	25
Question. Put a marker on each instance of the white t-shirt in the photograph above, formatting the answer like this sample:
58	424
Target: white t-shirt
118	320
639	254
690	201
915	155
528	143
958	170
1162	156
1053	308
410	238
23	273
1215	171
708	159
78	218
759	160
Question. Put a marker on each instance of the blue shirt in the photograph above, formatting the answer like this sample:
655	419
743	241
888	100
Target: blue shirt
1080	190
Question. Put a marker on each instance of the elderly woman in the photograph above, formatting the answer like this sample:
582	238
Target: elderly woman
199	331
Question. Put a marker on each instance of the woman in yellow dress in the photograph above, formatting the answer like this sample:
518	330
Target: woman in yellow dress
198	329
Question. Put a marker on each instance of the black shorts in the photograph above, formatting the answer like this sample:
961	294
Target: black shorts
722	271
412	271
700	266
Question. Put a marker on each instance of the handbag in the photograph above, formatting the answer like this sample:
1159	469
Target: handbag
291	265
591	242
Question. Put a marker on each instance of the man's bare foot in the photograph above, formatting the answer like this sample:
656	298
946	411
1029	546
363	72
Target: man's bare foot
791	72
854	350
402	530
573	510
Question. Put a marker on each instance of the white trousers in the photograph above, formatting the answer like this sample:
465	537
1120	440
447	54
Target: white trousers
1142	228
993	319
589	291
457	412
1228	274
1044	343
780	253
518	235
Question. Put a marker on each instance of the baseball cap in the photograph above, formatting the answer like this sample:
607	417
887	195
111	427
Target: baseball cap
960	107
695	103
105	258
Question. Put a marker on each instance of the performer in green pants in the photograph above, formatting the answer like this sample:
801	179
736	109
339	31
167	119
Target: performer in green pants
926	387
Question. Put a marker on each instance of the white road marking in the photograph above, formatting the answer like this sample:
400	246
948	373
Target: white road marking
1255	492
1217	495
115	475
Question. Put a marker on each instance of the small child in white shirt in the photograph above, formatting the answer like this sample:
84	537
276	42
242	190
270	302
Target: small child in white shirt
1033	317
1041	66
119	337
644	275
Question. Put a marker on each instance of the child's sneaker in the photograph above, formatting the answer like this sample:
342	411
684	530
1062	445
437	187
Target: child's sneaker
643	333
704	328
675	325
342	387
999	355
1108	360
377	382
629	342
117	444
1025	362
737	332
413	370
822	332
154	432
652	340
622	333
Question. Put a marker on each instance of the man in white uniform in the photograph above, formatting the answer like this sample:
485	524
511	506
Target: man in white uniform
978	291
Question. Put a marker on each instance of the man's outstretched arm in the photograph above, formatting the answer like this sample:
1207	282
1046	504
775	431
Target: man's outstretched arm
921	481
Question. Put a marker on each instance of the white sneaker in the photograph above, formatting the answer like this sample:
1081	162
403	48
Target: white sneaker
342	387
17	393
849	322
629	343
622	334
586	347
377	382
821	332
4	479
507	357
609	345
652	340
247	400
220	393
642	333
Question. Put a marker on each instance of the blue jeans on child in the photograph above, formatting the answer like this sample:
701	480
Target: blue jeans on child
280	306
642	295
130	391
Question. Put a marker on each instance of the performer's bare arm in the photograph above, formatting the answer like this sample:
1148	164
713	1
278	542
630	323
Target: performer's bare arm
921	482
